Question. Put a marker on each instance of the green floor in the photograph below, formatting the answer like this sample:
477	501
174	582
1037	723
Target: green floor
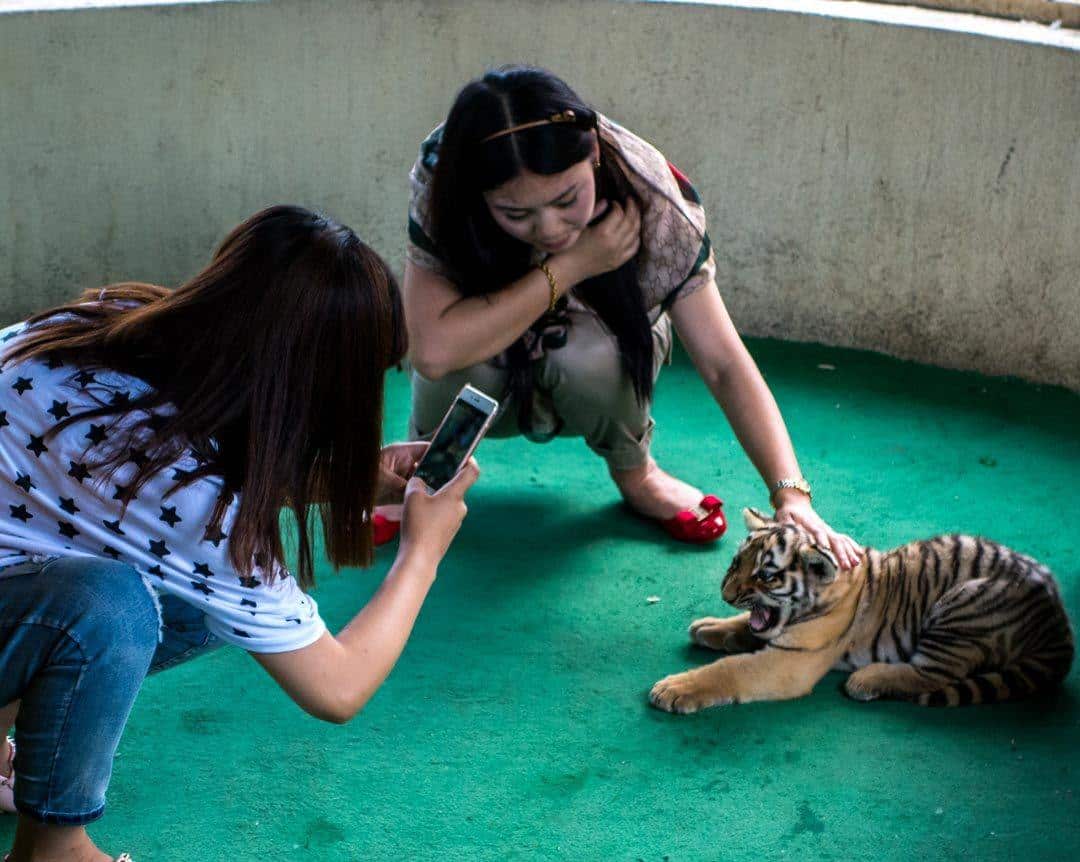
516	724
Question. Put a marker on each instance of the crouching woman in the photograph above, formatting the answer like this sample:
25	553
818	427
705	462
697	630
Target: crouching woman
149	440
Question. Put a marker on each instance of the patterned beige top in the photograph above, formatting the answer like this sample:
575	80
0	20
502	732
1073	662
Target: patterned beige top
675	258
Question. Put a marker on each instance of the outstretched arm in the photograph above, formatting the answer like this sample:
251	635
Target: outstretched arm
724	363
334	677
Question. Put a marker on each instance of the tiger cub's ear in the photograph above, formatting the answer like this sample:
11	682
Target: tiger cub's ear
819	563
756	519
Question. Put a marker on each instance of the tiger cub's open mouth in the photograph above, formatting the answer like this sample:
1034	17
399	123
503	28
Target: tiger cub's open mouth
763	617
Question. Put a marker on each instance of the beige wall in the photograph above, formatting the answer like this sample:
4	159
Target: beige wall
905	189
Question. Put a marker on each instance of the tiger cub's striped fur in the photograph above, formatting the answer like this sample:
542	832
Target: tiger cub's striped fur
950	621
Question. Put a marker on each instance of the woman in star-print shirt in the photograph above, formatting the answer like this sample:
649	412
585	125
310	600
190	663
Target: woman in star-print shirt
148	441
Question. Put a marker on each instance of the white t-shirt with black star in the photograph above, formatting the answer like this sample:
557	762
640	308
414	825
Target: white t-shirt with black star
56	501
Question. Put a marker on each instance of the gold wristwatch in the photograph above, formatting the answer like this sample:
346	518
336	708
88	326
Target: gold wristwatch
799	484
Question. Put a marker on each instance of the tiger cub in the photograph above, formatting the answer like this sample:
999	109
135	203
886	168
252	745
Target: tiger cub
946	622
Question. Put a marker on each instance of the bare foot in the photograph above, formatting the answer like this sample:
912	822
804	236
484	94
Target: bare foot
42	842
654	493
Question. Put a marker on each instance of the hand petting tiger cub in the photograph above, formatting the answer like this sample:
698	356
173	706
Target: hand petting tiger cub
951	621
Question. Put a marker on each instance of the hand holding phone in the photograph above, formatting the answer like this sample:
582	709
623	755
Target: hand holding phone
457	436
431	519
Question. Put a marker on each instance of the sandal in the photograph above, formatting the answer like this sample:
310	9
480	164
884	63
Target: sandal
700	525
384	529
7	783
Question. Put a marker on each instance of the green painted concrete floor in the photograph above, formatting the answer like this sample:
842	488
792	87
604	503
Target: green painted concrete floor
516	724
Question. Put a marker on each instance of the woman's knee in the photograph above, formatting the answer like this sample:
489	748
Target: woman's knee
591	380
432	398
111	610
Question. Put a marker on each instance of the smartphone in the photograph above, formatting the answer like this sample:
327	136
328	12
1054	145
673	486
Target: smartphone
457	436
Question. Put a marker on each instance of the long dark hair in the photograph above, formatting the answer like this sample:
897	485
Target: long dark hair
274	357
481	256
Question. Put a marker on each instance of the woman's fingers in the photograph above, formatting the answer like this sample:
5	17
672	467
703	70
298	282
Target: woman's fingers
431	519
854	546
629	231
614	217
848	552
401	458
844	548
855	551
464	479
610	241
416	485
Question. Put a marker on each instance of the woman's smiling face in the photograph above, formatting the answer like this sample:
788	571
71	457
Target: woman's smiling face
548	212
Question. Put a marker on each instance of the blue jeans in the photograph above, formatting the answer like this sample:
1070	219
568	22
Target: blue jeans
77	637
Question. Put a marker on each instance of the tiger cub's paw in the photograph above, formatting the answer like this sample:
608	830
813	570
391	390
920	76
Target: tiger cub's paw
685	693
716	633
708	632
863	686
881	679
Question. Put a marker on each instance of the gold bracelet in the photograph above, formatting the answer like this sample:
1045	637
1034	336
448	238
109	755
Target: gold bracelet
799	484
551	283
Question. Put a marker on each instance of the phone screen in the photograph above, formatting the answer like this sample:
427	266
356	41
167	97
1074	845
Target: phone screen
447	451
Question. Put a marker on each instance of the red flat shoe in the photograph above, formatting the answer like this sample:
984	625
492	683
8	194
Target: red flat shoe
700	525
384	529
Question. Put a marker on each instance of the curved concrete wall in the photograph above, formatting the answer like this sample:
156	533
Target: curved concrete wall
908	189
